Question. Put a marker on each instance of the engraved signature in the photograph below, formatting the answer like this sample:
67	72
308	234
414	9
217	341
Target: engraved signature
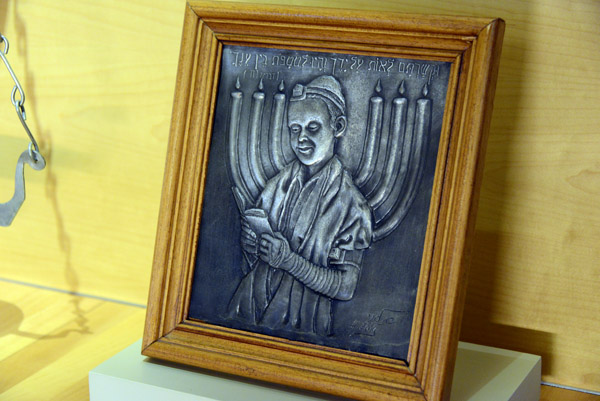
368	327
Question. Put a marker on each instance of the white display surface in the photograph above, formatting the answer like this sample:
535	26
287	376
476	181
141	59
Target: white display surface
481	374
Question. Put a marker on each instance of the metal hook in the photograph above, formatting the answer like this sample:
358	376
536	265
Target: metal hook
21	114
18	103
8	210
3	39
31	156
17	86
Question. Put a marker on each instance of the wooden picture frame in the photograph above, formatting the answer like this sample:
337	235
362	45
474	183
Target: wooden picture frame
470	47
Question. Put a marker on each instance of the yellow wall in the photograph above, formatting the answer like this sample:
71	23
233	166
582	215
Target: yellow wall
99	78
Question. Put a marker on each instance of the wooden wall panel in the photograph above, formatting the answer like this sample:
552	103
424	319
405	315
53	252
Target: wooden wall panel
99	77
49	341
535	276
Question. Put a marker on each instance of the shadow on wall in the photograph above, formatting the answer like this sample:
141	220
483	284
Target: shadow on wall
484	283
12	317
20	42
477	325
47	348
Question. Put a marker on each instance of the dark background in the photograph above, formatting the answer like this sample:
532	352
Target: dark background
378	319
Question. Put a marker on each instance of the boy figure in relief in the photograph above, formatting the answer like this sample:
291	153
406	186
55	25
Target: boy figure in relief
321	224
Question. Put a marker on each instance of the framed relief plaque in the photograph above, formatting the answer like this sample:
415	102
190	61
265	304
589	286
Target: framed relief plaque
319	196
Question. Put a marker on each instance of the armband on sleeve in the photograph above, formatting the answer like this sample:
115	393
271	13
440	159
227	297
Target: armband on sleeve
337	283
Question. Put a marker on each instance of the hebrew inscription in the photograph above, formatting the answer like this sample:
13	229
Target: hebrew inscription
317	196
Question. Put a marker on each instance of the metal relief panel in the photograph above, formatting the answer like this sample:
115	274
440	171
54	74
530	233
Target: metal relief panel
317	196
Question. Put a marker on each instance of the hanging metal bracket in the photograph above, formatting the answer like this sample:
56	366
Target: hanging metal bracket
31	156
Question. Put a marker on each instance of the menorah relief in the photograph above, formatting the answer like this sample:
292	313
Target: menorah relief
306	220
319	190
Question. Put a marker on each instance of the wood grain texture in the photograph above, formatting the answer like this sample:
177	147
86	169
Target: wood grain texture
169	333
99	79
49	341
549	393
535	277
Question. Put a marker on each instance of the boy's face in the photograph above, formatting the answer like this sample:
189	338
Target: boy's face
312	135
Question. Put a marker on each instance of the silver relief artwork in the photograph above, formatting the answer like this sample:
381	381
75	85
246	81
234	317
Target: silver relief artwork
325	156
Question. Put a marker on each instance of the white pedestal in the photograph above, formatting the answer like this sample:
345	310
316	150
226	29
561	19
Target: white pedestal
494	374
481	374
